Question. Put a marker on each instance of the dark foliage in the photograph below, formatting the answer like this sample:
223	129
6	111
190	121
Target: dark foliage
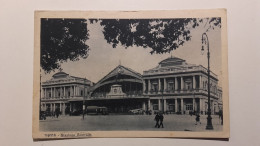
65	39
62	40
162	35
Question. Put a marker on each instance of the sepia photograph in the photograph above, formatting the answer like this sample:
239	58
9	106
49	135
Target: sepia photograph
130	74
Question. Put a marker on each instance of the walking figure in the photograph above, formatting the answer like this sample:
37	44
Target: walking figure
157	120
161	120
57	112
197	118
221	116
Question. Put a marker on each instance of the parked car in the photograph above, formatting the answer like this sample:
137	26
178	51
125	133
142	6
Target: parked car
137	111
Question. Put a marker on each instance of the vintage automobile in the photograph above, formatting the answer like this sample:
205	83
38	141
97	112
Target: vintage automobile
137	111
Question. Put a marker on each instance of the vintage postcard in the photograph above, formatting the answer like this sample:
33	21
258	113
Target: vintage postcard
130	74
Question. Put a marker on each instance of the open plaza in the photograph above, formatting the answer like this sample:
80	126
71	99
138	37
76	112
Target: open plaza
172	122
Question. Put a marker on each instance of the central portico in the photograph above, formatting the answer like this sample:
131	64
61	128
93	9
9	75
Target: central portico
120	90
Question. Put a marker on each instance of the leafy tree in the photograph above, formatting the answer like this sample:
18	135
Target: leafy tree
162	35
65	39
62	40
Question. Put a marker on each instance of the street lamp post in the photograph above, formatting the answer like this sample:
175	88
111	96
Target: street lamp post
40	94
84	102
205	41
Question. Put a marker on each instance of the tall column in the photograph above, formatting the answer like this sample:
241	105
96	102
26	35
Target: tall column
200	82
194	82
149	104
77	87
159	104
143	106
149	85
201	107
51	107
159	82
182	106
164	105
176	83
176	105
144	86
164	84
60	107
70	107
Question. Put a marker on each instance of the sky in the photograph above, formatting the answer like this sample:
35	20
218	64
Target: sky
103	58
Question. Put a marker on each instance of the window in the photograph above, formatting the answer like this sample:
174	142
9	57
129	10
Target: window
155	107
188	84
49	94
171	86
81	92
171	107
69	93
189	107
155	87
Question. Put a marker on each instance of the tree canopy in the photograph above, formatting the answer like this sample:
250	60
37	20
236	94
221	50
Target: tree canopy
65	39
62	40
162	35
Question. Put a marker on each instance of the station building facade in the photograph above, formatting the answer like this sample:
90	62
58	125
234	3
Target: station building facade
173	86
64	92
178	87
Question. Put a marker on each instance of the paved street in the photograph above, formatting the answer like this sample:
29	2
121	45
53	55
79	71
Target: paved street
126	122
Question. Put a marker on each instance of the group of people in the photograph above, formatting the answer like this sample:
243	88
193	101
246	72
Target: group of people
159	118
56	113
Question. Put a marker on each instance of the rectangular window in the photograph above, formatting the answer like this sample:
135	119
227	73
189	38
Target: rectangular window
189	107
155	107
171	86
81	92
171	107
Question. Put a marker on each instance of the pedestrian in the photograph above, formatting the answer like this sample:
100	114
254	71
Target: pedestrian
221	116
157	120
197	118
57	112
161	120
52	114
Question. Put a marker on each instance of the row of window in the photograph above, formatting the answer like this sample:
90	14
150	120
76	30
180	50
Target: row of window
171	107
213	89
68	94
